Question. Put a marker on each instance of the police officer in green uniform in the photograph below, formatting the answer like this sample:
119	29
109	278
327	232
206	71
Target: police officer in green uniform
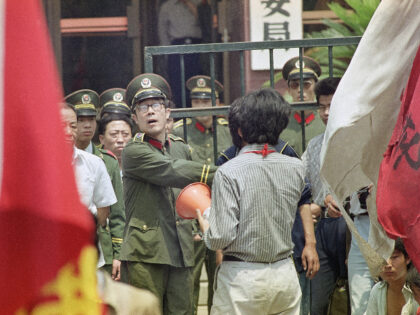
157	252
200	129
85	103
200	138
313	123
115	128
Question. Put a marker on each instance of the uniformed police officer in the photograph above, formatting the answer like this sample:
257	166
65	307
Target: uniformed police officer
115	128
85	103
200	137
200	129
157	251
313	124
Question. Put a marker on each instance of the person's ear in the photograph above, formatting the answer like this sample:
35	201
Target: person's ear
101	139
134	117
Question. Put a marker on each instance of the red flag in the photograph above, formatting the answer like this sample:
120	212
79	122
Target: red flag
398	194
364	111
43	225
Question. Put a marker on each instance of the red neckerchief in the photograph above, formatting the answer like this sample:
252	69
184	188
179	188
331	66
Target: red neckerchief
264	152
308	119
200	127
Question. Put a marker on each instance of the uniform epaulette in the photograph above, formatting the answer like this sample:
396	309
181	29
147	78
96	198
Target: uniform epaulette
222	121
107	152
287	145
175	138
139	137
222	154
180	123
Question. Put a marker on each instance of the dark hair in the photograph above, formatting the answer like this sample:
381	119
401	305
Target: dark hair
112	117
326	86
399	246
262	116
233	119
413	277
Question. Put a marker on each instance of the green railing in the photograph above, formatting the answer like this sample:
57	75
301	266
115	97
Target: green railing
241	47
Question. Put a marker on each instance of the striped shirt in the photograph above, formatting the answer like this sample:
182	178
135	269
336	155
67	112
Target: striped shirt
311	159
254	202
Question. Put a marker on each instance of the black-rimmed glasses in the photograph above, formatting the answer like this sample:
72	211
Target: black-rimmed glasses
144	108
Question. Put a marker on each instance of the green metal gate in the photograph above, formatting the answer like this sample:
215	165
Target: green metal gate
240	47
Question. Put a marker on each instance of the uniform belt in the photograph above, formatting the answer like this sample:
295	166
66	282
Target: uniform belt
233	258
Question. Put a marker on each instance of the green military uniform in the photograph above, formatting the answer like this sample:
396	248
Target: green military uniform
85	103
157	251
155	234
293	133
313	124
111	236
201	141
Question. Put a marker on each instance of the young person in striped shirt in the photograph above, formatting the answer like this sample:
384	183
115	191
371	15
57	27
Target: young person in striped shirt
254	200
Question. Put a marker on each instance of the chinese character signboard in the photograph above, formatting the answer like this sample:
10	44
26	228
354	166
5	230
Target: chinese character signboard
274	20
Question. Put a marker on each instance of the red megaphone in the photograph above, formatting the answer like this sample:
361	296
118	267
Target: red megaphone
192	197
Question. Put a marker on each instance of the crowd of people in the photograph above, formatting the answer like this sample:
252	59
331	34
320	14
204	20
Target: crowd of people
273	240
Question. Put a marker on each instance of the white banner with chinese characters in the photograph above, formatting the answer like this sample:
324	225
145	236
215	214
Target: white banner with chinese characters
274	20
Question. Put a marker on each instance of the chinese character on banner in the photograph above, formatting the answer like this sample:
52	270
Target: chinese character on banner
274	20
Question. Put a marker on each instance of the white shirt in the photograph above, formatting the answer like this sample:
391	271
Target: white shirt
93	182
377	300
89	148
94	185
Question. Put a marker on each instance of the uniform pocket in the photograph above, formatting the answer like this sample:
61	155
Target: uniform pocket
143	238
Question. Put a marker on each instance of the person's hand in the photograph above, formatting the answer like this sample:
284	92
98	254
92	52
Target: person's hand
197	238
315	211
116	270
310	260
219	257
204	224
332	207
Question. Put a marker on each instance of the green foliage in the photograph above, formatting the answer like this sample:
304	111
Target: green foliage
355	22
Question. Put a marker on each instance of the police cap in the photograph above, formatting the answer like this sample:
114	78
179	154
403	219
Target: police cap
112	101
84	102
310	69
200	87
147	85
